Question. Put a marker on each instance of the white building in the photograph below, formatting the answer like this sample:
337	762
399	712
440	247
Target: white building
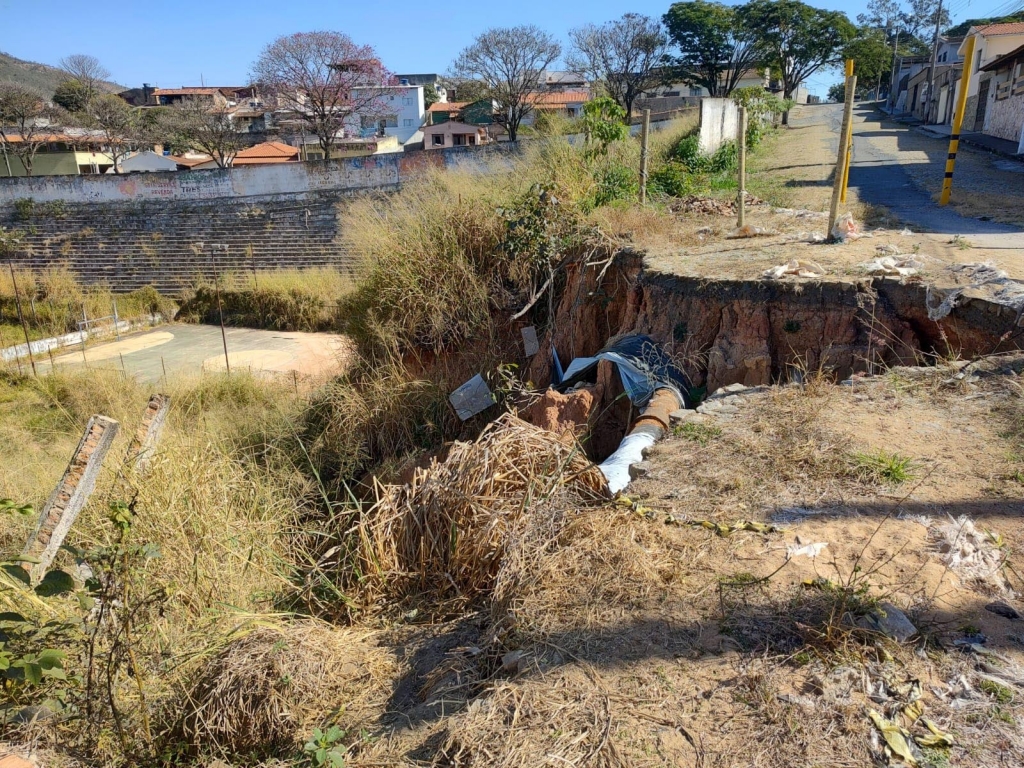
402	113
992	41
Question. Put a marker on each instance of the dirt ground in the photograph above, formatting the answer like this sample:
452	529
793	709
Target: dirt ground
644	638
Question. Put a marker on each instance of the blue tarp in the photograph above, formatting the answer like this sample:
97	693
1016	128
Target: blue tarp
643	367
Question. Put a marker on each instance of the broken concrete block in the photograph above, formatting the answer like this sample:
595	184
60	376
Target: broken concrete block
149	431
636	471
70	496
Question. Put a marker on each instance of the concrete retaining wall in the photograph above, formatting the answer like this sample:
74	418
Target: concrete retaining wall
719	123
253	181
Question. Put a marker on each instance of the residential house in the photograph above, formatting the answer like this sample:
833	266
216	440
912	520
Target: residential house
430	79
218	98
568	104
906	69
147	161
948	69
558	80
267	153
401	116
71	152
442	111
1004	116
310	150
452	133
992	42
675	95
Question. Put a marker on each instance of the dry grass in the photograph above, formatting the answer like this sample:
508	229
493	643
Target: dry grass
533	725
445	534
266	690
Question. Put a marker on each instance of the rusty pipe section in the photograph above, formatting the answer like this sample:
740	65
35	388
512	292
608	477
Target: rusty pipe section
648	429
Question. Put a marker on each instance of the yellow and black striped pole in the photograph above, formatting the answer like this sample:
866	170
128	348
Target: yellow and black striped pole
958	119
849	146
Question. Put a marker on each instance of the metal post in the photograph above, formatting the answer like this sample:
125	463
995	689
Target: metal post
849	146
851	83
220	311
741	144
645	131
84	331
931	70
958	119
117	333
164	367
893	83
21	316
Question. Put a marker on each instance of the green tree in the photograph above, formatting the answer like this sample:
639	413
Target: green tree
430	95
837	92
71	95
872	57
603	123
796	39
715	42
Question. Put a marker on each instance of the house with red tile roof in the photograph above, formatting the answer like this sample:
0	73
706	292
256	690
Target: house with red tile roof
992	42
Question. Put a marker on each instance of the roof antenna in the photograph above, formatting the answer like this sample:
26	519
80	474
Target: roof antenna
202	83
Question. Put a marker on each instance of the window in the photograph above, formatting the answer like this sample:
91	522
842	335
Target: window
696	90
671	93
84	169
407	122
407	101
438	140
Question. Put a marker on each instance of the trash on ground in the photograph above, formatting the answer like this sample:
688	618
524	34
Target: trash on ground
1007	611
749	230
795	268
937	739
805	550
643	367
846	229
902	266
897	739
630	451
971	554
471	398
888	249
890	621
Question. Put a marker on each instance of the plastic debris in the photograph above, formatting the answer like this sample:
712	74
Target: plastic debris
970	553
530	344
902	266
630	451
749	230
727	529
846	229
643	367
905	232
897	739
805	550
888	250
795	268
937	739
471	398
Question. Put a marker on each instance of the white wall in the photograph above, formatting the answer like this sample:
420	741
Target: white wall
406	103
719	123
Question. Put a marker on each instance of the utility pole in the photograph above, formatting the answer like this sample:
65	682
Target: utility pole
893	85
844	140
931	71
958	119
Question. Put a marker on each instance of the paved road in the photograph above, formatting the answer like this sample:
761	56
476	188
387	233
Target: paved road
894	166
189	349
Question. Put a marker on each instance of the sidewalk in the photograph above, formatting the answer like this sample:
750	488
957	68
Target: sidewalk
1002	147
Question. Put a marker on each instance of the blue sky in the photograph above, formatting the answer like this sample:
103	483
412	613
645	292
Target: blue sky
175	44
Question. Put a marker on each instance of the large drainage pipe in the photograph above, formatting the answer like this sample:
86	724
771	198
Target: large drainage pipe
649	429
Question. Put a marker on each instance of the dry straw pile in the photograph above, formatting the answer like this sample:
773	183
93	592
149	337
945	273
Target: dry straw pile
447	531
269	688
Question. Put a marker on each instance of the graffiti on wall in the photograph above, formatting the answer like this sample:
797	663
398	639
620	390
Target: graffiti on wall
295	179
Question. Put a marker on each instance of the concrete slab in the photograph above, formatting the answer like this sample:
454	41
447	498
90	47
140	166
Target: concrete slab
190	349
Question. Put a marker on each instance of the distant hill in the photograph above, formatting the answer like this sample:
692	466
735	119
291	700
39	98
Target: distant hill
41	78
961	29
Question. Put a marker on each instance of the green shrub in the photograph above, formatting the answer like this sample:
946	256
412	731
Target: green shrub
616	182
24	208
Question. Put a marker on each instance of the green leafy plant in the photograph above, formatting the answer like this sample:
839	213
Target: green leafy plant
615	182
24	207
324	749
697	432
884	466
603	123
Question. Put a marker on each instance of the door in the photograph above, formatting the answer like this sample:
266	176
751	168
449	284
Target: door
979	113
